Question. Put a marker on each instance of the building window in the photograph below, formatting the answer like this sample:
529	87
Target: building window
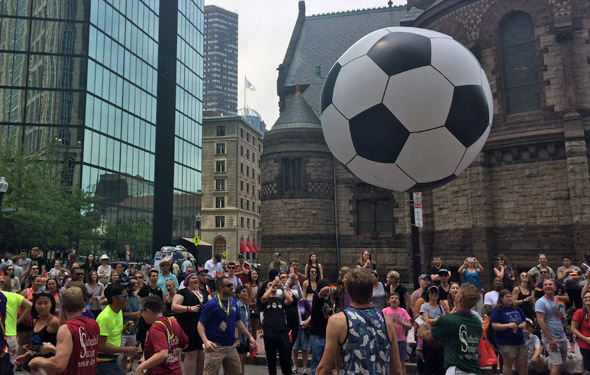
242	150
220	166
248	205
219	246
253	174
241	167
519	59
253	223
242	222
220	148
247	154
373	217
247	171
291	174
241	185
247	137
219	202
241	132
247	188
220	184
220	130
219	221
242	203
248	223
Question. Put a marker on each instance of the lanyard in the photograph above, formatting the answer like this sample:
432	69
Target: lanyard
225	310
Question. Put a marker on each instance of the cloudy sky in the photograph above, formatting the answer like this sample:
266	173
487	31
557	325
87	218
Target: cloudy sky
265	28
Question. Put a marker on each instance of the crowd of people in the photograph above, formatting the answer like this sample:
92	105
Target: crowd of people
100	317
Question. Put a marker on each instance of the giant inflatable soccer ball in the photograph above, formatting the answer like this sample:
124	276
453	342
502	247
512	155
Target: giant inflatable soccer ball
406	108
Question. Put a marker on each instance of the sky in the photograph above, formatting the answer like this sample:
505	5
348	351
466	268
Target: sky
264	32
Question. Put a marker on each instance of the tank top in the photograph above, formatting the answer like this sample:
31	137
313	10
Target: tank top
472	278
309	289
85	334
45	336
526	307
366	348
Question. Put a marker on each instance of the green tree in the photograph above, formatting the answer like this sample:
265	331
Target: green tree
47	216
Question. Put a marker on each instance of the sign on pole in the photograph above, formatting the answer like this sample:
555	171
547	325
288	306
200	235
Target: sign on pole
9	209
196	240
418	222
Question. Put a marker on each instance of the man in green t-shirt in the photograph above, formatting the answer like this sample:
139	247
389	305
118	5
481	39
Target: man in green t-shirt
110	321
462	331
13	302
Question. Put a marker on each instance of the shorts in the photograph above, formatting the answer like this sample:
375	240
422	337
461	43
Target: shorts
559	357
453	370
302	341
127	340
585	358
513	351
243	348
403	350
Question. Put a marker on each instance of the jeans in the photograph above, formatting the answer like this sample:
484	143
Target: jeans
316	344
109	368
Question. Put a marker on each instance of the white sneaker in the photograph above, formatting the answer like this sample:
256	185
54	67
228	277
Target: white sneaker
305	371
294	370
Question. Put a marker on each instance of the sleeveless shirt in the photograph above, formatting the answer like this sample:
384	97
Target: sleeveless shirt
366	349
85	334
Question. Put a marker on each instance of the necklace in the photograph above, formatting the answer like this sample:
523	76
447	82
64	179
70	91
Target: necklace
225	310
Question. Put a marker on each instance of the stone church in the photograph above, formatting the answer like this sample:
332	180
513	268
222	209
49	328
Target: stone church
528	192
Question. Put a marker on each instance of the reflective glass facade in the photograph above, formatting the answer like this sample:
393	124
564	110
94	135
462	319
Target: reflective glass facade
221	60
82	75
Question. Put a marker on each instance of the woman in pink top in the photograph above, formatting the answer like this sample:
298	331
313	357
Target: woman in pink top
402	323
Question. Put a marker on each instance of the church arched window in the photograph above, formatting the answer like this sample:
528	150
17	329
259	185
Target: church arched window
519	58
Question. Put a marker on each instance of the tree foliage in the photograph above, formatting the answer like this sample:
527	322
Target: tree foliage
47	215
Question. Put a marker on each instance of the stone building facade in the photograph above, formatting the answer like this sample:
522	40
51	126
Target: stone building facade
527	192
230	209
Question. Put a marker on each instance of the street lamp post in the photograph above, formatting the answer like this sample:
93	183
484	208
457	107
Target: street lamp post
3	188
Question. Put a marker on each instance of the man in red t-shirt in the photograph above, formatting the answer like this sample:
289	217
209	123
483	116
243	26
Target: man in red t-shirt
165	340
242	270
77	340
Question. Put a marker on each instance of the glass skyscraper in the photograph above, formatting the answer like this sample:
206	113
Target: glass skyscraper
81	76
221	60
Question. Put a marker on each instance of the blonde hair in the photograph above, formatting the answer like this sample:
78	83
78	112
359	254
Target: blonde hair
469	295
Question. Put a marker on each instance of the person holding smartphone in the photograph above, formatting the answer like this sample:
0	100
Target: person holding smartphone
471	271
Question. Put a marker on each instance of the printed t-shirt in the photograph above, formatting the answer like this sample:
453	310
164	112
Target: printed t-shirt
85	333
508	336
582	316
220	326
13	301
462	332
398	313
552	319
166	334
111	326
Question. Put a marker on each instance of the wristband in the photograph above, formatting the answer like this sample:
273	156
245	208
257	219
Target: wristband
188	309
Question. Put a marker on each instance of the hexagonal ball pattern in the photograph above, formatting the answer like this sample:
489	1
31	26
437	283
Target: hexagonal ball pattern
472	152
469	114
415	30
420	98
431	155
362	46
377	135
328	88
359	86
401	51
337	134
455	62
385	175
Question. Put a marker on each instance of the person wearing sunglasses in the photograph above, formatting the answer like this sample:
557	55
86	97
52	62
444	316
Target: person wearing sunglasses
231	269
560	291
110	321
535	271
217	327
165	274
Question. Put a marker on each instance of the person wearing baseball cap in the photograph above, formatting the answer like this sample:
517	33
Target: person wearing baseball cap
424	281
165	274
278	264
